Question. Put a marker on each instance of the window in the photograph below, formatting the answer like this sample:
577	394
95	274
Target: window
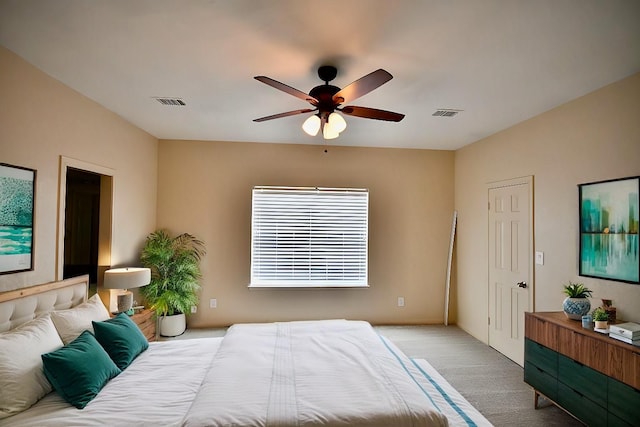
309	237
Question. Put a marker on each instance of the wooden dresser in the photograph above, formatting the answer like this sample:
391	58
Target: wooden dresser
592	376
146	321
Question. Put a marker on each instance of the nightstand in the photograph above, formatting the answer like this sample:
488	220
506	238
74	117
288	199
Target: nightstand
146	321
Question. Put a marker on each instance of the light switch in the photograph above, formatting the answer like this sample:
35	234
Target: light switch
539	258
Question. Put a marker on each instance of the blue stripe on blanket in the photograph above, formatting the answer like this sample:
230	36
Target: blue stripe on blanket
407	371
444	394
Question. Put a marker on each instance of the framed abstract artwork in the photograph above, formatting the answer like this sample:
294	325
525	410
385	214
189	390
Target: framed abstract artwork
17	203
609	243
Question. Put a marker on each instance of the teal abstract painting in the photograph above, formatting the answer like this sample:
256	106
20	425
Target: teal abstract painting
609	220
17	190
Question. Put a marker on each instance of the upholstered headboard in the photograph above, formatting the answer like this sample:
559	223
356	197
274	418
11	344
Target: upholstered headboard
22	305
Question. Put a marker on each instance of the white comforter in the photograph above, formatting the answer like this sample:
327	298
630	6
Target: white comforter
156	390
330	373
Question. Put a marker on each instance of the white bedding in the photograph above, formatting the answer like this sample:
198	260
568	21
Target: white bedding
330	373
156	390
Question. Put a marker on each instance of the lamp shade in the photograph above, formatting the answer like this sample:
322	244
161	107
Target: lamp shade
126	278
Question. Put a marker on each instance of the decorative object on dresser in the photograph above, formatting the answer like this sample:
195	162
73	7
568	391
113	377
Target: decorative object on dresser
587	321
576	304
119	280
175	273
594	377
600	318
626	332
610	309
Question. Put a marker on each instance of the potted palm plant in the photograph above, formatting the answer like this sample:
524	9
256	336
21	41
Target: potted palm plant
577	303
175	273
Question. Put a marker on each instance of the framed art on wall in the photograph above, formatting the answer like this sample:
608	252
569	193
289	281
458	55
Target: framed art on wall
609	243
17	203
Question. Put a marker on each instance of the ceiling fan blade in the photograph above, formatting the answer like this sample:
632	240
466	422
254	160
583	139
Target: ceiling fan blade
372	113
288	89
362	86
287	114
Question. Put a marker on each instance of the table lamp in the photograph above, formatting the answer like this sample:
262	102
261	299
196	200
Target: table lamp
120	280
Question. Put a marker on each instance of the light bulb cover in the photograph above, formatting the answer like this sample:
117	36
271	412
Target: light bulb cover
328	132
311	126
337	122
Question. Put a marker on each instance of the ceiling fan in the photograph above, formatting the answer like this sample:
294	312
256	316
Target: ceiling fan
327	99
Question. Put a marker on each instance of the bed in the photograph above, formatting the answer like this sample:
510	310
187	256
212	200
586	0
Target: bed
306	373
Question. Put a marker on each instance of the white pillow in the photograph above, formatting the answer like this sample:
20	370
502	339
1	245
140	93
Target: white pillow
70	323
22	380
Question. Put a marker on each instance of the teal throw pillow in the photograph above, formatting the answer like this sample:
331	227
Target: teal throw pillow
79	370
121	338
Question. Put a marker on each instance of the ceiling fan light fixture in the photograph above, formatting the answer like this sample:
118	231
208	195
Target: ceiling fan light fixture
337	122
311	126
329	132
326	99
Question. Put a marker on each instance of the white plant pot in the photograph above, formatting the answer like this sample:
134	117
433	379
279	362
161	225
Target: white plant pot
172	326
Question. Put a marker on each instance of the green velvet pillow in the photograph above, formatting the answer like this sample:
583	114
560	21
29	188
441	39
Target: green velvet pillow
79	370
121	338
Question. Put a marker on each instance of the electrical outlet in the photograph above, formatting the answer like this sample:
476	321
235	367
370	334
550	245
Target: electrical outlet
400	301
194	309
213	303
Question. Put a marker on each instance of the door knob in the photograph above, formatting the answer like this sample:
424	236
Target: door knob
522	284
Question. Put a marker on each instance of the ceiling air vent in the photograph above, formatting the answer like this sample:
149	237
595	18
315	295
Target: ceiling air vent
445	112
171	101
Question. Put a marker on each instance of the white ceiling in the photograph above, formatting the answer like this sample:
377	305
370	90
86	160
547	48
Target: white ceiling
501	61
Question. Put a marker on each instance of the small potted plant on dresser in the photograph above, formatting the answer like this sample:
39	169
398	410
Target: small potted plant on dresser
577	303
175	273
600	317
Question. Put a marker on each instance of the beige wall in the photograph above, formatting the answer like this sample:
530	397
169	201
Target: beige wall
592	138
40	120
205	188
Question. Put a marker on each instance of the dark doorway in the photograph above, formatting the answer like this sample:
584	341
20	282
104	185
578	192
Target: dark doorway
82	224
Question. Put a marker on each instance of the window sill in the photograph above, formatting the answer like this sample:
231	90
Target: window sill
305	286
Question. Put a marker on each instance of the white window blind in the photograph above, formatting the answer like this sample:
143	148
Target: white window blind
309	237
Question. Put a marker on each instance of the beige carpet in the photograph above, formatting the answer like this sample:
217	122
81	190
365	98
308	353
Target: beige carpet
491	382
